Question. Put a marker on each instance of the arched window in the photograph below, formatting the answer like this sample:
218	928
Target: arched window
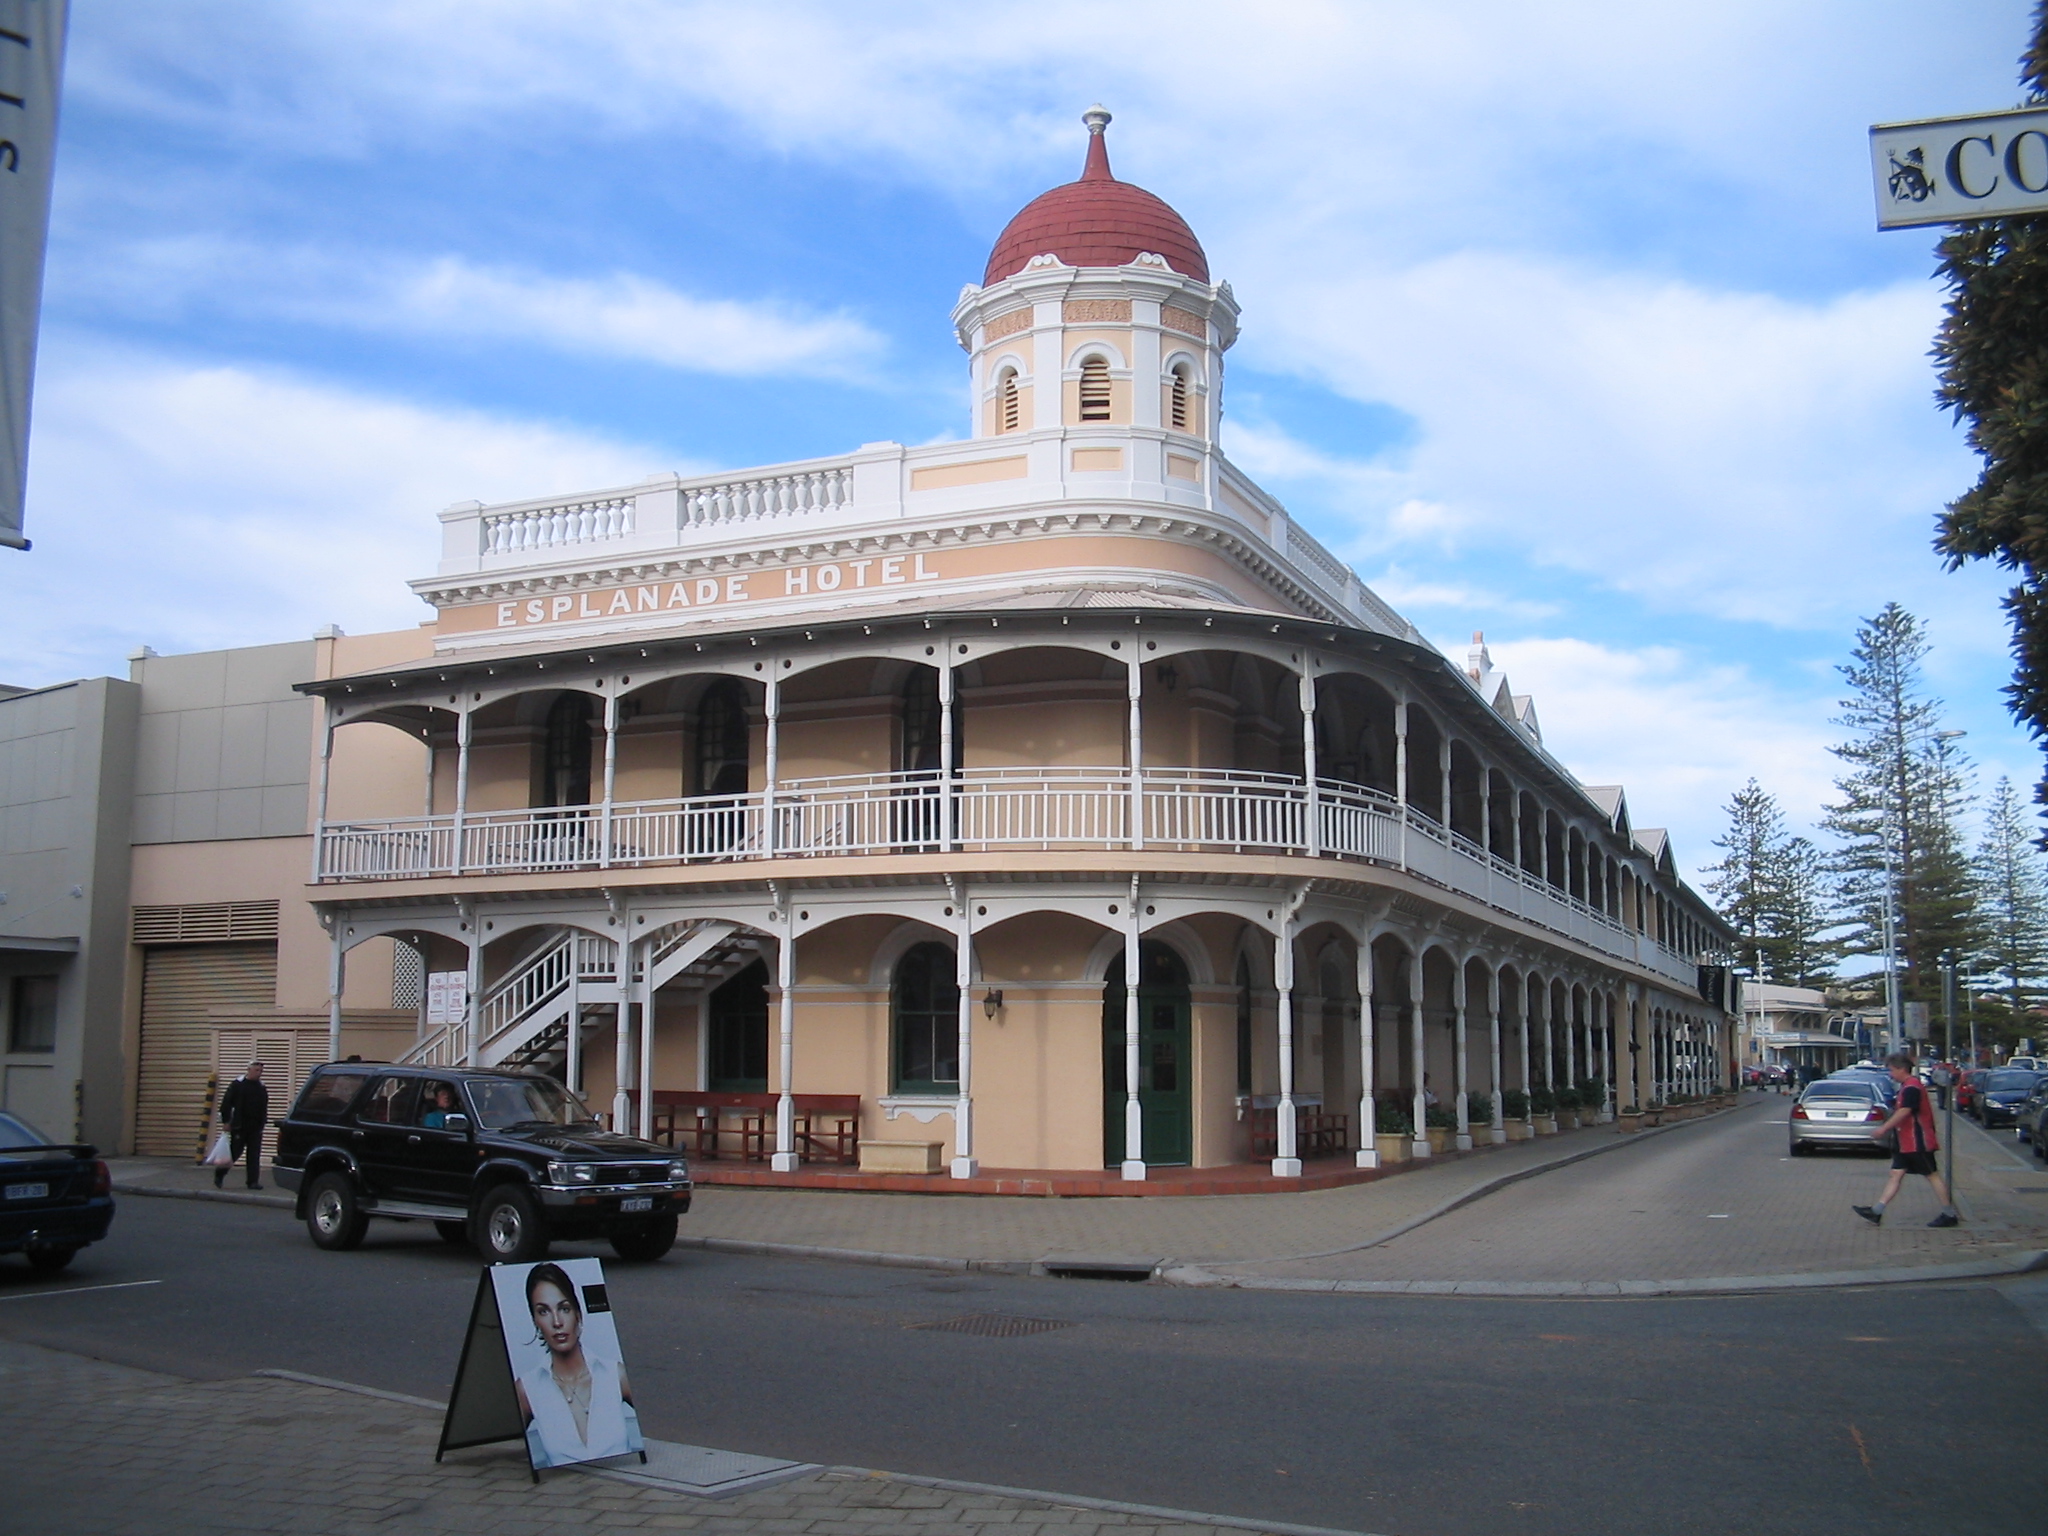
737	1028
1094	389
1177	413
924	1022
565	758
721	767
1009	408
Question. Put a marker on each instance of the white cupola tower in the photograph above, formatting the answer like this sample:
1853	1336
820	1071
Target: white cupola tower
1096	320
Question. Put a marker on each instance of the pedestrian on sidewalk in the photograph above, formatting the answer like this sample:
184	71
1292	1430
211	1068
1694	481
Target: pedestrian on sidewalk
244	1112
1914	1146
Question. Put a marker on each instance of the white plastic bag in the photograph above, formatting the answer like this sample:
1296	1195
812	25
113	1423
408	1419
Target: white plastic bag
221	1154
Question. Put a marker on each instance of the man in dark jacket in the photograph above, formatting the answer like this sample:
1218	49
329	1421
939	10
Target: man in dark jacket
244	1112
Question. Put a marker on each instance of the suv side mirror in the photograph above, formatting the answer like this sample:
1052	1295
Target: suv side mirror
455	1123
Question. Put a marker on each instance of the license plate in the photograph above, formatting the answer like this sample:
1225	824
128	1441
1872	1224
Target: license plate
637	1203
28	1191
1836	1114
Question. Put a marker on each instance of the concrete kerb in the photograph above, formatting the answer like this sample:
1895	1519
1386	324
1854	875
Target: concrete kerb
1717	1285
228	1196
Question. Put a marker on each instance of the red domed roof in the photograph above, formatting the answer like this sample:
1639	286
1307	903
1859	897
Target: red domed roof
1097	221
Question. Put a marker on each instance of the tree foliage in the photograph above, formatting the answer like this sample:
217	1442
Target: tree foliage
1993	353
1902	789
1774	890
2012	898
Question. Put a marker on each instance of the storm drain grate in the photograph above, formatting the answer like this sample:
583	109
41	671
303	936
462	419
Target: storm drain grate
992	1325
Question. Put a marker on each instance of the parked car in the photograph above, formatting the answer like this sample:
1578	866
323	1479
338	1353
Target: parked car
1967	1088
2029	1063
507	1161
55	1197
2027	1121
1999	1096
1837	1112
1877	1077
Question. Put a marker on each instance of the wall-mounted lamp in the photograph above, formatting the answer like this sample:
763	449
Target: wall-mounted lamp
991	1001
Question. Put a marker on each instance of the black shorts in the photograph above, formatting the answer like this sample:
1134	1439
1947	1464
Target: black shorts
1922	1163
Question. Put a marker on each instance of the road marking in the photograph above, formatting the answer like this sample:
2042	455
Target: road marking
1718	1216
74	1290
1863	1451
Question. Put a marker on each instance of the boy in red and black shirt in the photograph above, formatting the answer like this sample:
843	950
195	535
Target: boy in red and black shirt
1913	1120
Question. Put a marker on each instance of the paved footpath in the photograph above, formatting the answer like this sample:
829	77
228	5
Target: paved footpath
1711	1198
95	1449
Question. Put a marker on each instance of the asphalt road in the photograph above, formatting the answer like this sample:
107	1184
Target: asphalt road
1893	1410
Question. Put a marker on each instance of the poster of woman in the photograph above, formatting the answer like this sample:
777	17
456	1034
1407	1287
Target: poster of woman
571	1380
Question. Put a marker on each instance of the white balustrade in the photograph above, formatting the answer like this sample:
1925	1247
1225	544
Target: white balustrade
1029	808
576	522
760	496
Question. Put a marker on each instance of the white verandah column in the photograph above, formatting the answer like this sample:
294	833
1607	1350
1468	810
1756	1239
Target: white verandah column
473	1004
772	753
1459	998
1528	1024
463	732
1134	682
1286	1158
1401	773
785	1159
622	1030
326	774
642	953
337	974
1312	832
948	787
1418	1145
964	1165
611	775
1368	1151
1134	1113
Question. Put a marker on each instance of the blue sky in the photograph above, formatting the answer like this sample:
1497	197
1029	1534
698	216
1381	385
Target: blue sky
1564	322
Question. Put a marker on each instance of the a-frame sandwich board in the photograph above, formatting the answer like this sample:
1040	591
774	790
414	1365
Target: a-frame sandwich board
483	1408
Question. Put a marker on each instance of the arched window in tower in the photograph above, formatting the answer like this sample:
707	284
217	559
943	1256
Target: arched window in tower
565	758
1177	412
924	1021
1094	389
1010	411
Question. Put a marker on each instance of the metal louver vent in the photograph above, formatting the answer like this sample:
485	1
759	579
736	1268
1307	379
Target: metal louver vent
214	922
991	1325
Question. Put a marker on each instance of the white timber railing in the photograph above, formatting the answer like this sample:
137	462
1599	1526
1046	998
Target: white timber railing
572	522
1187	810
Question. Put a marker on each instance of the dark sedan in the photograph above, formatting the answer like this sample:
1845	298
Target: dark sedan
54	1197
2000	1095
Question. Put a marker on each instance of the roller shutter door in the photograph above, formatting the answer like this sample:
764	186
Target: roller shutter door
179	984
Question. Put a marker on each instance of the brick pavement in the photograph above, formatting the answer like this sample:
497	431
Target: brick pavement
102	1450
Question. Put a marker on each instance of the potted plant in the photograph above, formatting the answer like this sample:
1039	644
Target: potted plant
1592	1099
1543	1111
1479	1115
1653	1112
1629	1121
1439	1124
1567	1100
1392	1131
1514	1108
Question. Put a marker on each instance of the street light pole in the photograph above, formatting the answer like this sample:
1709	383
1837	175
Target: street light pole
1948	1008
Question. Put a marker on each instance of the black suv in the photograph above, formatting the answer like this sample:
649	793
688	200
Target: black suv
507	1160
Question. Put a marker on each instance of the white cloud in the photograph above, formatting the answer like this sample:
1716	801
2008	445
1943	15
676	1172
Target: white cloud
619	315
186	507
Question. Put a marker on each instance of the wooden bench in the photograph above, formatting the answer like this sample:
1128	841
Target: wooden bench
712	1126
1317	1133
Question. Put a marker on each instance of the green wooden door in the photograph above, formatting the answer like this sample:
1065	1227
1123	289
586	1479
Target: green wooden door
1165	1059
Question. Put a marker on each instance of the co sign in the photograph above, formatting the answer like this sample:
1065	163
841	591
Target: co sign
1950	169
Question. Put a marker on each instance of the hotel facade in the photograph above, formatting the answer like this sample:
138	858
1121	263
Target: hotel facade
1048	799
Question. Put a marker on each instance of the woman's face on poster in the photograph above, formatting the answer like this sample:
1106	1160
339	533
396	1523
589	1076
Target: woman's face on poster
557	1318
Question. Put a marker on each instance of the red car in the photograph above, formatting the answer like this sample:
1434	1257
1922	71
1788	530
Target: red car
1968	1089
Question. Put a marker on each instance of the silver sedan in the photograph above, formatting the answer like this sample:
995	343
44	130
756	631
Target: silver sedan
1837	1112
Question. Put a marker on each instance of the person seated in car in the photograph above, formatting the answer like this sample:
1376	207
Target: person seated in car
442	1106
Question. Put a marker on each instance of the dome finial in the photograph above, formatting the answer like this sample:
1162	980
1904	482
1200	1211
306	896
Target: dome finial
1096	167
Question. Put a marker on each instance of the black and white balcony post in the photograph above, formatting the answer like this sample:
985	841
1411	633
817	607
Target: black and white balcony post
772	709
326	774
1460	1068
785	1159
1286	1150
1312	833
1498	1131
611	775
1134	678
964	1164
1368	1149
948	780
463	732
1134	1112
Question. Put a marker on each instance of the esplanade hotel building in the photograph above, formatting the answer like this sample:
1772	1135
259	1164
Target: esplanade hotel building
1042	804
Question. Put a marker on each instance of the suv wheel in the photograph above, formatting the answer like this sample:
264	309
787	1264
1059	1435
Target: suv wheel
645	1240
508	1227
334	1218
47	1261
